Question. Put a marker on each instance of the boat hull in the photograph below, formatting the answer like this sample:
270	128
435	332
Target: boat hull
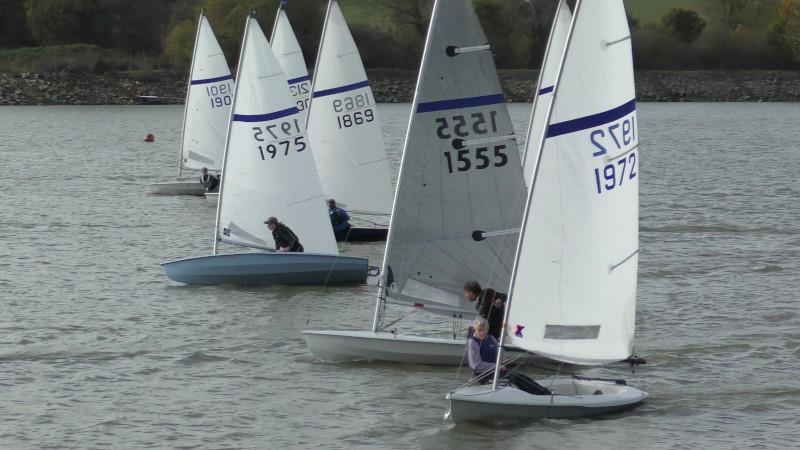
364	235
574	398
178	188
384	346
263	269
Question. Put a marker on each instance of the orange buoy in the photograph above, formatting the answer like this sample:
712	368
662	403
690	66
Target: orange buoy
149	137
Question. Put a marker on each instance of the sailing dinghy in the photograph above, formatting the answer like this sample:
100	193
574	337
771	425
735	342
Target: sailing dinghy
345	130
268	170
459	199
205	116
290	56
573	290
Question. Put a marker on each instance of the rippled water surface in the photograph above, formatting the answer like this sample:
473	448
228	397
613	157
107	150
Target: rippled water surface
99	349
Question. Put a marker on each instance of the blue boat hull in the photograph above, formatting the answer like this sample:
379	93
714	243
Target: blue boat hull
269	268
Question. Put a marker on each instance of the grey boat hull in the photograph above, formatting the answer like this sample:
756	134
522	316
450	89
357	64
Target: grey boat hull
573	399
263	269
178	188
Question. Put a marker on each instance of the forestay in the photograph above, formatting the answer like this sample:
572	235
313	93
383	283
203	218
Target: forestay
208	102
460	172
544	89
343	123
290	56
269	169
574	292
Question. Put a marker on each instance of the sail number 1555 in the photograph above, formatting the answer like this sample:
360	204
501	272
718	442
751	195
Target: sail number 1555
482	158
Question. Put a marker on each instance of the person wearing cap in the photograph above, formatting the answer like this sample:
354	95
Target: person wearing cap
339	220
285	239
208	180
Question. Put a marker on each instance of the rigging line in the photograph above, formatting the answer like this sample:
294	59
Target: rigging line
413	310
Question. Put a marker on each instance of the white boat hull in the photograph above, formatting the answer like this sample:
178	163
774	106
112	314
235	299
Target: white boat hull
212	197
178	188
383	346
573	398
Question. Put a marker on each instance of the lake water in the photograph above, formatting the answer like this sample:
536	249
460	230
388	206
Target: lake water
98	349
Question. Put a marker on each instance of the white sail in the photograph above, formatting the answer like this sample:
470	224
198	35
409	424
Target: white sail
343	123
460	173
290	56
544	89
574	292
269	169
208	103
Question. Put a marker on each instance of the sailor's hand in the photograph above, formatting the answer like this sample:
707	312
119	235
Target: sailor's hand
283	249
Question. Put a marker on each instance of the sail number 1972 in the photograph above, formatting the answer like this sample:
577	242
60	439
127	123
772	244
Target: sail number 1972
618	137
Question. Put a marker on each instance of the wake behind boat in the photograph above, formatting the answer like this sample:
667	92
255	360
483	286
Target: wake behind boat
268	169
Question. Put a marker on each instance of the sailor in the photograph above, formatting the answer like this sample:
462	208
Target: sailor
285	239
482	351
489	303
339	220
208	180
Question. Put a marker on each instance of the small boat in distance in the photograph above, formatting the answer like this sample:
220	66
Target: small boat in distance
268	170
205	116
572	296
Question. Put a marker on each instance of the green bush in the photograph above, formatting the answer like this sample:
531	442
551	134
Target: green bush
684	24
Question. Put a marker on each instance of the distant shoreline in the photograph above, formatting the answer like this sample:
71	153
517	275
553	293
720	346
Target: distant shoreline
397	86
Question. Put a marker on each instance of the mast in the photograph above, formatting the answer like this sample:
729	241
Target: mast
277	17
530	196
188	87
380	301
316	63
228	133
539	82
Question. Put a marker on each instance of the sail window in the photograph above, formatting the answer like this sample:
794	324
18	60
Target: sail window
571	331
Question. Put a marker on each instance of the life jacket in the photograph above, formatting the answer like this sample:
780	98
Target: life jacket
336	216
488	348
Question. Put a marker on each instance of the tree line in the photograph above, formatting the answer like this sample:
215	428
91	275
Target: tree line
716	34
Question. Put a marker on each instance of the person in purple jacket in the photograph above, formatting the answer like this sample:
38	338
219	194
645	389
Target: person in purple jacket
482	350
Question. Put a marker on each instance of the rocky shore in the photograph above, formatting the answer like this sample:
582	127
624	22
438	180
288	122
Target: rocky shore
394	86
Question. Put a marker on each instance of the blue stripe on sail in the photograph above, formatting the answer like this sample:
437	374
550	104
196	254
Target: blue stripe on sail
546	90
457	103
583	123
299	79
212	80
264	117
340	89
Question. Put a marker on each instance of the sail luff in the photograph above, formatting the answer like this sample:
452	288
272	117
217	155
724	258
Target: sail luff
381	296
316	62
228	135
540	94
188	87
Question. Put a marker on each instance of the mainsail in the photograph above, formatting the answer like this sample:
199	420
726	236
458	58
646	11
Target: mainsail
269	169
343	123
544	88
460	174
574	291
290	56
208	103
